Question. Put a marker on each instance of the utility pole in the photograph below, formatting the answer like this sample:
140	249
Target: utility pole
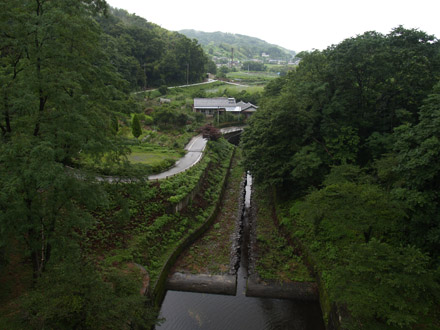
187	73
232	57
145	77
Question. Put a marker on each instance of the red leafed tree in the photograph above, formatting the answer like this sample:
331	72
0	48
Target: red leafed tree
210	132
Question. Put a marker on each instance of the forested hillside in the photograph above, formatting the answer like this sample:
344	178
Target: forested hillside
66	70
147	55
219	44
351	142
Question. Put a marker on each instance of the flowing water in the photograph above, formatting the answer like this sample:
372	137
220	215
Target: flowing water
189	311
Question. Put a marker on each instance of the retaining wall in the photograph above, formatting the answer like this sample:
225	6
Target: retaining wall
331	315
203	283
190	197
158	288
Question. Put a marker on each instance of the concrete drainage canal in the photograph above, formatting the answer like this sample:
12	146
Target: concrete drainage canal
201	310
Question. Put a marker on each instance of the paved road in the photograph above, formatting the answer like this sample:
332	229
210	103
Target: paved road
209	81
193	155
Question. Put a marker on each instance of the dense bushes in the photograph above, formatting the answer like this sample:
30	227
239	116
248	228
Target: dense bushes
74	295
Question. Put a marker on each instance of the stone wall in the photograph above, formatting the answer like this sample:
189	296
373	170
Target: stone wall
177	207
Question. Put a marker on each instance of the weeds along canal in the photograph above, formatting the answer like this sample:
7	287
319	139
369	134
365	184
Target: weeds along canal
189	310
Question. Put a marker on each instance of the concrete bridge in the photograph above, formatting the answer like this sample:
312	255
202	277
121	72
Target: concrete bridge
232	134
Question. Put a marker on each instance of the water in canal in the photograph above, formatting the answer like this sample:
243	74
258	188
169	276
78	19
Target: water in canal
189	311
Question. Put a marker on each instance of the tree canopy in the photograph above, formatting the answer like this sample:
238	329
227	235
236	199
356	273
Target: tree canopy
351	139
147	55
341	105
59	91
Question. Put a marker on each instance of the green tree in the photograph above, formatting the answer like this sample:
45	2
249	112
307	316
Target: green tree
115	123
73	295
163	89
382	284
211	67
287	121
222	71
57	91
147	55
418	172
358	107
341	105
351	208
136	128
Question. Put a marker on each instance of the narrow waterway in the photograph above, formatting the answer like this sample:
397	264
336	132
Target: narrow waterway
188	310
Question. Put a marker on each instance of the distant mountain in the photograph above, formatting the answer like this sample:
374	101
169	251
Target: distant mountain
219	44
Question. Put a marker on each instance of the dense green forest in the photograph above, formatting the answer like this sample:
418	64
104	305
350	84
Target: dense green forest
220	44
350	141
147	55
66	67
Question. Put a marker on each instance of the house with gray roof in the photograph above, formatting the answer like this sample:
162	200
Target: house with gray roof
211	106
247	108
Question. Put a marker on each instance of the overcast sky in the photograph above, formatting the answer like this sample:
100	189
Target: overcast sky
296	25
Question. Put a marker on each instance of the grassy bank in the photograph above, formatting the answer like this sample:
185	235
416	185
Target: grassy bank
276	257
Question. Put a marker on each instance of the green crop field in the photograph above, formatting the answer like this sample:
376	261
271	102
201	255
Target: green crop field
152	156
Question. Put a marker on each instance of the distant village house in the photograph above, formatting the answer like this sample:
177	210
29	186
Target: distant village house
211	106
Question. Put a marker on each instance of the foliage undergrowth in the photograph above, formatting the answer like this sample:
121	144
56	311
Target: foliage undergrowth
348	232
138	225
276	258
210	254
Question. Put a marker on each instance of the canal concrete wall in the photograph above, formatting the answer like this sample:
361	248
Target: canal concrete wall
234	260
256	287
158	288
203	283
331	315
215	284
307	291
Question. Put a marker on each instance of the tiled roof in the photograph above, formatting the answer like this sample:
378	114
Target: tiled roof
245	106
216	102
228	104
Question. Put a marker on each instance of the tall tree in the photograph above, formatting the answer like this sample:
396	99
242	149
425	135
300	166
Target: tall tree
418	171
57	88
136	128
